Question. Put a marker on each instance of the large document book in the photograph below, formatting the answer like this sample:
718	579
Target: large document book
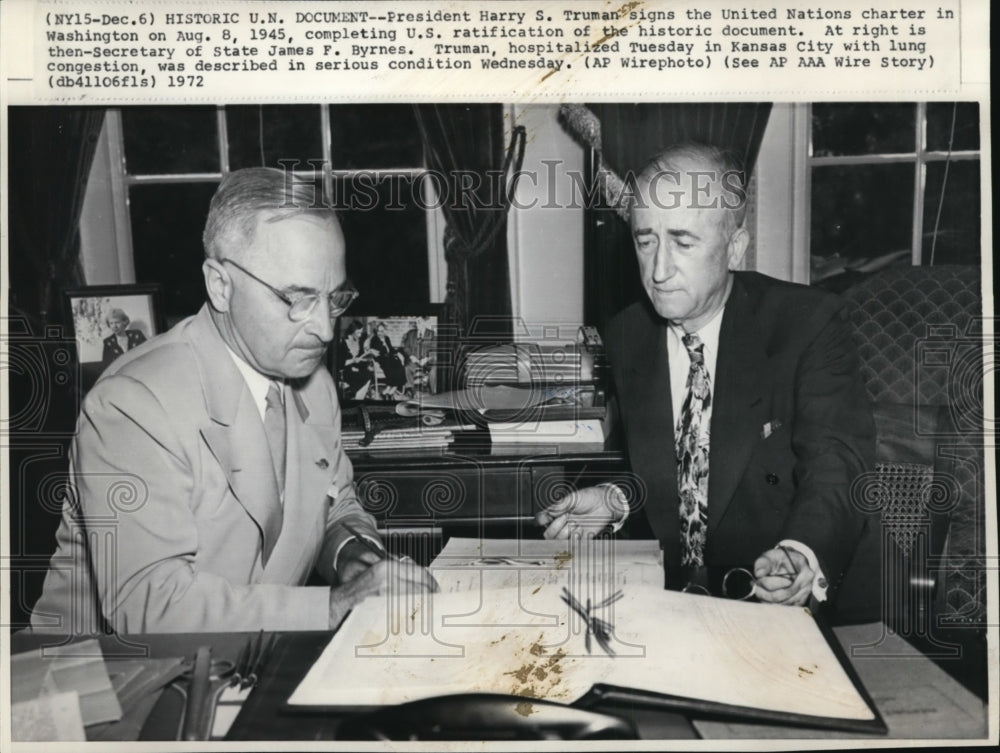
503	623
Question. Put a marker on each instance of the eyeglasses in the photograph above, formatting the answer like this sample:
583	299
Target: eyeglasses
300	308
739	583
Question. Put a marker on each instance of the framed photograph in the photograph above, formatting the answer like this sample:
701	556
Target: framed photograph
110	320
386	358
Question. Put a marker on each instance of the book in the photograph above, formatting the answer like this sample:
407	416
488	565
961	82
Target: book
502	624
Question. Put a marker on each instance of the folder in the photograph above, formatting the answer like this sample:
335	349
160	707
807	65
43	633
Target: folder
704	656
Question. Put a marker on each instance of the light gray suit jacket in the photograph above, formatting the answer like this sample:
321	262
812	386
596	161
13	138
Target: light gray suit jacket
175	522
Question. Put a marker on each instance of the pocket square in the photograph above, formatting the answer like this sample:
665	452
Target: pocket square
769	428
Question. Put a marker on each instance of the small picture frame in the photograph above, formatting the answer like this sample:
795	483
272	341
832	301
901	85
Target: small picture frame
387	358
110	320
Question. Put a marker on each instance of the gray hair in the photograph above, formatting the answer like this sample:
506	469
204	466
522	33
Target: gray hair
244	196
727	167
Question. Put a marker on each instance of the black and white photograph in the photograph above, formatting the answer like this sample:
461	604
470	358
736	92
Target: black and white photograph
387	358
108	321
262	352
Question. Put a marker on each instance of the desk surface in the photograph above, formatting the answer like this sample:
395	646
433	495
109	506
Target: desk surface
917	699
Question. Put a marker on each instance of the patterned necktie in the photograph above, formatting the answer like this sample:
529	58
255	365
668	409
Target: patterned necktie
274	427
691	442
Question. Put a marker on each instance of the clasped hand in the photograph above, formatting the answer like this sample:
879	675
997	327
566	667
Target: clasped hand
783	576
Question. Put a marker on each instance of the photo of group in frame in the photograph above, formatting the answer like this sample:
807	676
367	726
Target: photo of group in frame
387	358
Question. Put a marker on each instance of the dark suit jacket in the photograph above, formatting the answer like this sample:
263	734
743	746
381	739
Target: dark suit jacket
786	355
112	349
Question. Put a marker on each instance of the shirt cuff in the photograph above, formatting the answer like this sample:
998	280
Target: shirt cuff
620	501
348	540
820	584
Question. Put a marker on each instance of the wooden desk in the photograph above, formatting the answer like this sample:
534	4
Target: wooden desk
917	699
471	484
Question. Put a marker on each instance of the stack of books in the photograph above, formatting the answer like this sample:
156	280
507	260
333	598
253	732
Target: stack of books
368	428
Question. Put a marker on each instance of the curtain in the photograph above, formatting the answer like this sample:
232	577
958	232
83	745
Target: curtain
630	135
50	151
464	149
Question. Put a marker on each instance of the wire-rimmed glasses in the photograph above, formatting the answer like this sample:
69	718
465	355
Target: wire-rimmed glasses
301	307
740	584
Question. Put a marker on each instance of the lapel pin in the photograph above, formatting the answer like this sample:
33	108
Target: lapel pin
769	428
322	463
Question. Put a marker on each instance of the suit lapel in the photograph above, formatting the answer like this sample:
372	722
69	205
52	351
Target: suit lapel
737	411
235	433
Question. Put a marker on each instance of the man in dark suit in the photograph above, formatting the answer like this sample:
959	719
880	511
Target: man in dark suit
208	476
740	395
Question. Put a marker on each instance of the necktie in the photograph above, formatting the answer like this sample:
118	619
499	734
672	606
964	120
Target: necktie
691	441
274	427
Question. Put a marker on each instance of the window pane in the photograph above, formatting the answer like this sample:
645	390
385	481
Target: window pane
261	135
374	136
861	211
167	221
863	128
164	140
955	240
939	125
386	243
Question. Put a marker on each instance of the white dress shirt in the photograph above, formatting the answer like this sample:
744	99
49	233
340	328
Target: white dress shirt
257	383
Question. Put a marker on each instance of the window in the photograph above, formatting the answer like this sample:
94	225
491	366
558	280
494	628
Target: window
174	158
891	181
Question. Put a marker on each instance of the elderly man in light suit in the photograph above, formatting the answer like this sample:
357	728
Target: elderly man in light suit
208	474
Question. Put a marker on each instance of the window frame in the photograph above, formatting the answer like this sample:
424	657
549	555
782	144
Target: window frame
122	181
921	157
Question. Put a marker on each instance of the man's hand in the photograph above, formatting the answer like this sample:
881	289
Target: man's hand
391	575
783	577
585	513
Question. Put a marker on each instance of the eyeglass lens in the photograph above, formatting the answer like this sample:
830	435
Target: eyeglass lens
737	583
338	302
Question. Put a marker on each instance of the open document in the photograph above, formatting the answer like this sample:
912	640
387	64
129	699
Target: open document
534	632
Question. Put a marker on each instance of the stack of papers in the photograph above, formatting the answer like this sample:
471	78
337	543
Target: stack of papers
62	689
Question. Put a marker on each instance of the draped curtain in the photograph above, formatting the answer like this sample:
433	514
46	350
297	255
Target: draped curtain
464	148
50	150
631	134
